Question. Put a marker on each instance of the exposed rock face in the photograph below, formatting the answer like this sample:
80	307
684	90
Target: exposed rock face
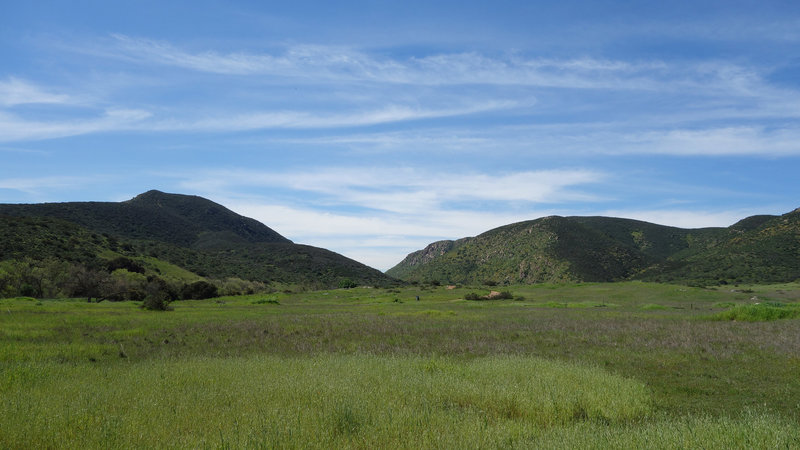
429	253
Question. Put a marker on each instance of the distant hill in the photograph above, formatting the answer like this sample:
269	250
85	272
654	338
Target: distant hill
559	249
190	232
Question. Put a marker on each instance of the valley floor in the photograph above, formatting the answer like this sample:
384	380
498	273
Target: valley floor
624	365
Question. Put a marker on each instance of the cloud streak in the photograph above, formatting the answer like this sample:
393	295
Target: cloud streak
14	91
14	128
326	64
408	190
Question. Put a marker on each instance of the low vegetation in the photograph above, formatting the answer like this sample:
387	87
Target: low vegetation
326	400
761	312
625	365
493	295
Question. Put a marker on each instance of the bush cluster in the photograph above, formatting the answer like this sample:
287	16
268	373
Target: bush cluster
504	295
121	279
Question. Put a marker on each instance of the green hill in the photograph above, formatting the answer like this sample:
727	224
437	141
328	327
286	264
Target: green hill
181	220
559	249
158	230
759	249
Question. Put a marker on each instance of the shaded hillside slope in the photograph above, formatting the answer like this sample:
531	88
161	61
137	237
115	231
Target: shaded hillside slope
558	249
188	231
182	220
759	249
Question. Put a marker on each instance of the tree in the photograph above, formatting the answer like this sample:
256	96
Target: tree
85	282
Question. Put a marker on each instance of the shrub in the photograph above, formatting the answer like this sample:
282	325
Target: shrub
124	263
199	290
504	295
156	302
347	283
264	301
159	296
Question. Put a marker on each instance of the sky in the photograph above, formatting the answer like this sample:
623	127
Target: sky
375	128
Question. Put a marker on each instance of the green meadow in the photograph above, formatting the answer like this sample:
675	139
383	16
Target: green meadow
619	365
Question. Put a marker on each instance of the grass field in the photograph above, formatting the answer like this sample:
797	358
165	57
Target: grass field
627	365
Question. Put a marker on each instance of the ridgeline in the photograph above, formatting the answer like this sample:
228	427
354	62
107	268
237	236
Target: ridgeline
758	249
185	235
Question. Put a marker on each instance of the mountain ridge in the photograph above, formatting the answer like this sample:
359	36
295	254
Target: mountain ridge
188	231
596	248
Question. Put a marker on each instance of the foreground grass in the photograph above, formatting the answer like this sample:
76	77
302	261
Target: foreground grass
327	400
354	401
629	365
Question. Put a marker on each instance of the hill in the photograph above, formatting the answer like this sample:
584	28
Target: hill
183	220
559	249
157	230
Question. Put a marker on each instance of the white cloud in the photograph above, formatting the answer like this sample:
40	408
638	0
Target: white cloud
661	135
14	128
683	218
409	190
306	120
14	92
380	240
722	141
322	63
40	185
717	141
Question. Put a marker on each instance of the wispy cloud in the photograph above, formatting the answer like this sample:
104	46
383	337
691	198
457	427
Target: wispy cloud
306	120
353	88
381	240
649	137
745	140
14	91
43	185
14	128
683	218
409	190
322	63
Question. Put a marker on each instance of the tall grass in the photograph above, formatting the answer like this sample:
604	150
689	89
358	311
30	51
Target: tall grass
353	401
354	368
760	312
327	400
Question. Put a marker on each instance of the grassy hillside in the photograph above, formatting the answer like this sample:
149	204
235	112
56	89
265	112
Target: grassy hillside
554	249
158	230
761	249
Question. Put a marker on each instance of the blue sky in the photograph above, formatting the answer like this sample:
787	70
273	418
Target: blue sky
375	128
